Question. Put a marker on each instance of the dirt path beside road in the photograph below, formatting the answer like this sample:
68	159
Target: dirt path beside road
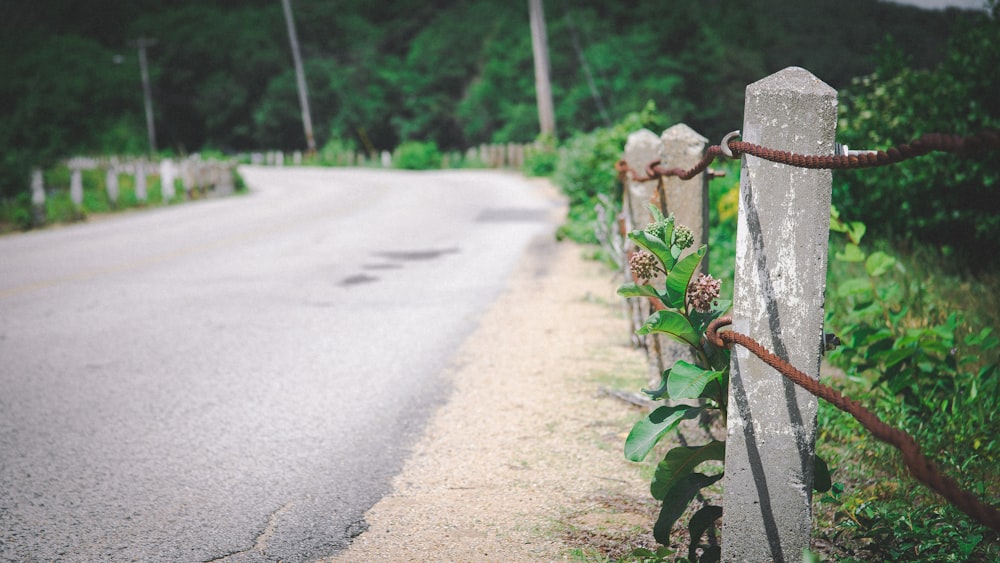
525	461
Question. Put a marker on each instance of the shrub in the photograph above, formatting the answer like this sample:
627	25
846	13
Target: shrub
416	155
938	199
586	169
541	161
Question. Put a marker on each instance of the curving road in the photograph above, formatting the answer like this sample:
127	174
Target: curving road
239	379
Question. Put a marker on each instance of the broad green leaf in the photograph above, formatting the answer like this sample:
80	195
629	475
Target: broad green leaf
648	431
680	462
836	225
821	475
714	392
700	522
661	390
879	263
854	287
983	339
656	213
635	290
676	500
851	253
680	275
654	245
883	334
687	381
672	324
856	231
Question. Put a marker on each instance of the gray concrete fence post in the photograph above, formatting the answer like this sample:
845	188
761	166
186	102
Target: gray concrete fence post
37	197
111	183
682	147
641	148
76	186
781	258
167	176
141	194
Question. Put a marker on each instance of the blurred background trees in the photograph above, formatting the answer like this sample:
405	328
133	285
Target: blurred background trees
459	73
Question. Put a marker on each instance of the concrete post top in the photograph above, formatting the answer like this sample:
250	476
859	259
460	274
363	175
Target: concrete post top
680	141
641	148
681	132
792	79
804	106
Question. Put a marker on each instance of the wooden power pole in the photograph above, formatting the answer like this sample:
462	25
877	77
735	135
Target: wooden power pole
147	95
300	77
543	87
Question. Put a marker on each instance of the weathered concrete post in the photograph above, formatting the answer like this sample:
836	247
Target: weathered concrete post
76	186
641	148
37	197
187	177
781	257
686	199
141	194
111	183
225	185
167	176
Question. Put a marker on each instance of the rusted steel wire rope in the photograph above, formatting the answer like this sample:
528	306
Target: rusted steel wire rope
925	144
922	468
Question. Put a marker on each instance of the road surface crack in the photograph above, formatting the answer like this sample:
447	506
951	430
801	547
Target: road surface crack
260	543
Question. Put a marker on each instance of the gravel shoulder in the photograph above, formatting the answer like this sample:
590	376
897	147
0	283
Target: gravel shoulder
525	462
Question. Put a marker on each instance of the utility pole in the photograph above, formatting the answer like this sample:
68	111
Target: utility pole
141	44
543	88
300	77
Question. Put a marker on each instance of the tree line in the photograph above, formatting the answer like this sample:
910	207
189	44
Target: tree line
457	73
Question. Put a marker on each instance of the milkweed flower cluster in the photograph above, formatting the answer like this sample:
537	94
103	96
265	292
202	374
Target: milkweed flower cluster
703	293
683	237
643	264
658	228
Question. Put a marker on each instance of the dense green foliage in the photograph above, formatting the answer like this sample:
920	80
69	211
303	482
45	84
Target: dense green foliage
380	73
415	155
922	364
586	169
943	200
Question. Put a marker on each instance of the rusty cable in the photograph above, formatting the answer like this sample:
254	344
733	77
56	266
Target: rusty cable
921	468
928	143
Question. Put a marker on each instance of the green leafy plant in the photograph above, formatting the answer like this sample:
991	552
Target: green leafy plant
541	159
689	304
911	357
918	359
415	155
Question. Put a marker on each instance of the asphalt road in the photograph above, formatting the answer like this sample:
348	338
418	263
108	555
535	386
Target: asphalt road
239	379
